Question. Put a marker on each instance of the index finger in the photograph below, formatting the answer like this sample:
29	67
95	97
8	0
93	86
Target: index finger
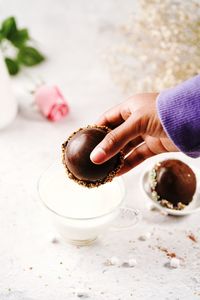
116	140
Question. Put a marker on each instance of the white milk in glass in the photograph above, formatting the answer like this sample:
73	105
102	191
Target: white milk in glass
8	105
79	212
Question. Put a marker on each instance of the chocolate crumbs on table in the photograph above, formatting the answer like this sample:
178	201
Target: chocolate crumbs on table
168	253
192	237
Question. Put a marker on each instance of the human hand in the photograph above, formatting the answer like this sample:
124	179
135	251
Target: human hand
136	128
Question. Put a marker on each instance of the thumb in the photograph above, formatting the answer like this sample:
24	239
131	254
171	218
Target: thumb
116	140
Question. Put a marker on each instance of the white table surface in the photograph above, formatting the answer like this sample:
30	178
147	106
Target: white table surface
74	34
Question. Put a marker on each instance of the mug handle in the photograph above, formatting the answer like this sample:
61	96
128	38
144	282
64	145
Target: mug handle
128	217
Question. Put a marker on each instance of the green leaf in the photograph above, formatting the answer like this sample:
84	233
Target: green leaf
9	31
12	65
29	56
1	36
9	28
20	38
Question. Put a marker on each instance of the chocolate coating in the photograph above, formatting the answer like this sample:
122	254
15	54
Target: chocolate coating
176	182
76	156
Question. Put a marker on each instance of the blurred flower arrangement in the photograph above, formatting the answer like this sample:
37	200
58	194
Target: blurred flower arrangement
17	49
160	46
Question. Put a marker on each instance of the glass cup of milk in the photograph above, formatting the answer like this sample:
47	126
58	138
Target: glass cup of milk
80	214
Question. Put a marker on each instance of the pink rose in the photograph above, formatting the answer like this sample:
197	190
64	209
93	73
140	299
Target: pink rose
51	102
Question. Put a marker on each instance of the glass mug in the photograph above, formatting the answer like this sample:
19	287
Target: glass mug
80	214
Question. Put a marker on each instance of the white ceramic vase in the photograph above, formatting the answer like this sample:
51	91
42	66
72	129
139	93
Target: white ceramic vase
8	104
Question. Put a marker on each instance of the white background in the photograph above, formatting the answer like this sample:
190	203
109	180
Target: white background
74	35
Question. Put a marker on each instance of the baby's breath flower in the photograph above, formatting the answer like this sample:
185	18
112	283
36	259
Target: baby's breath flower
160	46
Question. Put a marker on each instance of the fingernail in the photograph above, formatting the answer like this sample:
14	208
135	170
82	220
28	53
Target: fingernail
98	155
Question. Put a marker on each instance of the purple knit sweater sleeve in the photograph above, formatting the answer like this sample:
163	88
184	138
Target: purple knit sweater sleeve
179	112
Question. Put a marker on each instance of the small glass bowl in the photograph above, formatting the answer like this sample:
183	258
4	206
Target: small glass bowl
76	229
